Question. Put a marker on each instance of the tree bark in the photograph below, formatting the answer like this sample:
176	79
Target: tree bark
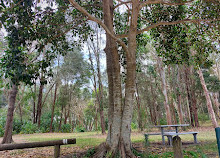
208	100
140	124
61	117
53	107
34	103
101	108
7	138
39	104
179	98
164	90
189	97
215	100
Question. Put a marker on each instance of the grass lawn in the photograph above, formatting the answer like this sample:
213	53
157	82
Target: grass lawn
85	140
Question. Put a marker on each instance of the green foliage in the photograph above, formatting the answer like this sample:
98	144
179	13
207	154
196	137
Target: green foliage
163	121
17	126
29	128
80	129
2	125
134	125
203	117
66	128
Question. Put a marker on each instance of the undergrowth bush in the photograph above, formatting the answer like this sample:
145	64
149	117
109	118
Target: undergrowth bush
66	128
29	128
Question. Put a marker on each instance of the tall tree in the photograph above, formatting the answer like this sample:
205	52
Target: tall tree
120	114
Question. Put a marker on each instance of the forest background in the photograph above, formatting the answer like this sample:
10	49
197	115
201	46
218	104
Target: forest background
165	69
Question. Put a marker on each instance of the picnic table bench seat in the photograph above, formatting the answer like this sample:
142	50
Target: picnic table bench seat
171	134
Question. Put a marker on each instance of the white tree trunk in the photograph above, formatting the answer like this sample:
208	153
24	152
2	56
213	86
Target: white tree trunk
164	90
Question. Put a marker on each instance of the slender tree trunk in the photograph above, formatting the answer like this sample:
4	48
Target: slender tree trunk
19	104
164	89
140	124
67	114
179	98
101	108
61	117
20	112
215	100
208	100
194	101
187	82
53	107
173	109
7	138
34	102
39	104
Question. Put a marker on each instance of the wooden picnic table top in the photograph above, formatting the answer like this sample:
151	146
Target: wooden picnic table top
177	125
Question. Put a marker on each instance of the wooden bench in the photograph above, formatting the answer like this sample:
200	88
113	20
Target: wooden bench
171	134
55	143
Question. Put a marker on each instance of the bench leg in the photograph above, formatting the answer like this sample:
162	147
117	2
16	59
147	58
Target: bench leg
195	138
146	139
163	138
170	140
56	151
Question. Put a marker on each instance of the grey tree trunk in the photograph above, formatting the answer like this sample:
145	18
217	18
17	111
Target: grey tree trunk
217	105
164	90
53	106
7	138
208	99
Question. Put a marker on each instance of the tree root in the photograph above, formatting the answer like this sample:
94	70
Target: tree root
101	151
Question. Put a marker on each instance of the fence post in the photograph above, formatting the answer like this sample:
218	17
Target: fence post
56	151
217	132
177	147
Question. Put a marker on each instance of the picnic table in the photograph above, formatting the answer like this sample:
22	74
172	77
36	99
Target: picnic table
171	133
165	126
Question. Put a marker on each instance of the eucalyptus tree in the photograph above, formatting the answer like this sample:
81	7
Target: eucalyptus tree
120	115
95	43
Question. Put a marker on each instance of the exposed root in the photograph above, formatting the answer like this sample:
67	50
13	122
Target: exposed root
101	151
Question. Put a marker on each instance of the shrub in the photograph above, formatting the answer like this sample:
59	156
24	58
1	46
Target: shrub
66	128
17	126
133	125
2	126
80	129
29	128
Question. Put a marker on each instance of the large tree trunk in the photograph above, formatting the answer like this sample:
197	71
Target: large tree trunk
114	81
7	138
119	131
208	99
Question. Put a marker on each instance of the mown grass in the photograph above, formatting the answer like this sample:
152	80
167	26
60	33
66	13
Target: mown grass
84	140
